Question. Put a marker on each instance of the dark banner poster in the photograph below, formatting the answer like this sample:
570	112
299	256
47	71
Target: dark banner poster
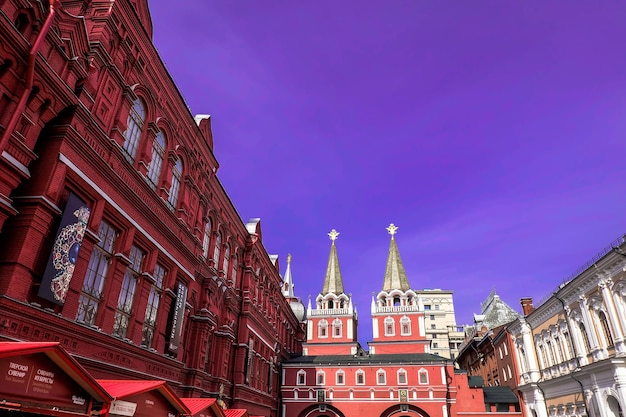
35	380
58	275
178	315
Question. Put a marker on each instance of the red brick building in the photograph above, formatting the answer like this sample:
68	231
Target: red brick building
116	237
489	351
398	376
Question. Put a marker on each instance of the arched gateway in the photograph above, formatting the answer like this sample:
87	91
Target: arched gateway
404	410
321	410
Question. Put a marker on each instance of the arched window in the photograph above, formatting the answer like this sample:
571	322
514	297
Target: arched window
177	176
337	328
524	359
340	377
402	377
233	274
583	334
322	328
136	119
567	345
422	376
381	377
301	378
614	408
390	327
207	239
551	353
217	248
158	153
226	259
560	357
606	331
360	377
405	326
320	378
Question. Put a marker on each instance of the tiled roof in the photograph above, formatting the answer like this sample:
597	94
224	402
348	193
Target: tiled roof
235	412
499	395
195	405
475	381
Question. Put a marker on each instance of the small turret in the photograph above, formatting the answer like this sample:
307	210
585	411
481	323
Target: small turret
287	289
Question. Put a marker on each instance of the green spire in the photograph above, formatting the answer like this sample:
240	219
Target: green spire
332	281
395	275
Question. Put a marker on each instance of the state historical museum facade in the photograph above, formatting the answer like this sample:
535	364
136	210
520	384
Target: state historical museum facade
116	238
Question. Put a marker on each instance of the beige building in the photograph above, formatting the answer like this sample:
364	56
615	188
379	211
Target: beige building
571	350
441	328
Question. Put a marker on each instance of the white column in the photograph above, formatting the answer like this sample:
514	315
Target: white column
619	304
540	403
618	336
579	344
529	348
596	350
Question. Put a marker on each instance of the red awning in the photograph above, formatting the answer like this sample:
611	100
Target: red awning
122	388
196	405
60	358
236	412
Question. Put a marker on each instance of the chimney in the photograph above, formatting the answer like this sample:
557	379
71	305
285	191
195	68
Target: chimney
527	305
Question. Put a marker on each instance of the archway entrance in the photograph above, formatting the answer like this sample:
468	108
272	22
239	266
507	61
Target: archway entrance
404	410
321	410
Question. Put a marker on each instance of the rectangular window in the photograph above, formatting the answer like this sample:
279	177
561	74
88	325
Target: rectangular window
436	306
127	293
401	378
340	379
381	378
433	326
426	307
360	378
91	293
423	375
432	317
149	324
301	378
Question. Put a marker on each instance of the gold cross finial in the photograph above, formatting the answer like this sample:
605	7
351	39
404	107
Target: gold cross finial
333	235
392	229
288	258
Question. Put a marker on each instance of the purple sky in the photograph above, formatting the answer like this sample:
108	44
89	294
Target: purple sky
491	132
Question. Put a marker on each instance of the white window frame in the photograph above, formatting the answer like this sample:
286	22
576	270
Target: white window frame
322	375
379	373
405	321
421	372
390	321
402	372
337	324
343	376
323	324
356	377
301	373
